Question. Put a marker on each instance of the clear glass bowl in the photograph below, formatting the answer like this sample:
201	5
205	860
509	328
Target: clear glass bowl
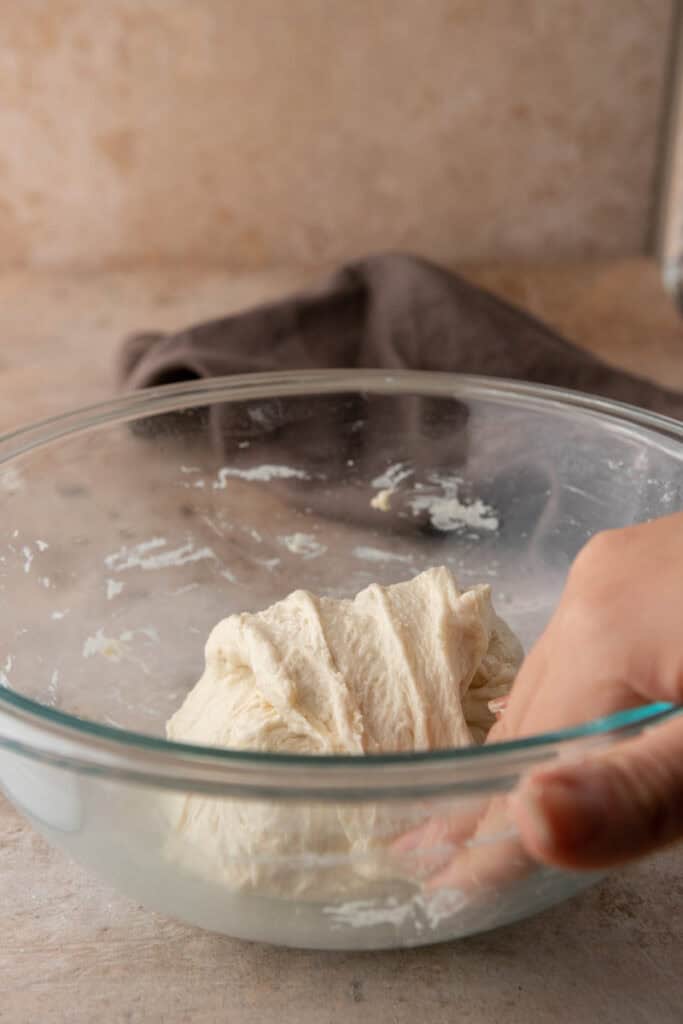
132	527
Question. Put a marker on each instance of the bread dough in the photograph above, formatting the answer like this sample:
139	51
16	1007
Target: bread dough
407	667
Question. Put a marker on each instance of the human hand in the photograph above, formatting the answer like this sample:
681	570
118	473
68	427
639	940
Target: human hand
615	642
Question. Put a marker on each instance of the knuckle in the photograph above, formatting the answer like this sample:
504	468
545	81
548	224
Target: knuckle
653	788
583	617
603	550
598	580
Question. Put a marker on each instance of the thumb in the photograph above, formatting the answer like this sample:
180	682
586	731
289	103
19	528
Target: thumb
608	809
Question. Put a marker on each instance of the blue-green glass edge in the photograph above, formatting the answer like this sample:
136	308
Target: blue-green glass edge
139	404
618	722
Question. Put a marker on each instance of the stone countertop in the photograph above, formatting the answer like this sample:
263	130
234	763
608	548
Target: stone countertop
72	950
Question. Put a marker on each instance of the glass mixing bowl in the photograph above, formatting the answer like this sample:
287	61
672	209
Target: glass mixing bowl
132	527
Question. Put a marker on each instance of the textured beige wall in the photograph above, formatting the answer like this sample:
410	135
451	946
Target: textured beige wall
258	132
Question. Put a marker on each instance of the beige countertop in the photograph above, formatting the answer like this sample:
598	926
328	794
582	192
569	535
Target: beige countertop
72	950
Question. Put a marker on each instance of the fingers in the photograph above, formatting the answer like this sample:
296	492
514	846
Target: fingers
483	867
475	850
609	808
492	858
611	644
507	726
426	849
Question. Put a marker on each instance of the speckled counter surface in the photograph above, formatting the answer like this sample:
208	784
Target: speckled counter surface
72	950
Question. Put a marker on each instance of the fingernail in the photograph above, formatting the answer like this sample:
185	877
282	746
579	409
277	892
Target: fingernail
528	810
563	812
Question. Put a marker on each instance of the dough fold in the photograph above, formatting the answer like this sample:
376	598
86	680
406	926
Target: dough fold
407	667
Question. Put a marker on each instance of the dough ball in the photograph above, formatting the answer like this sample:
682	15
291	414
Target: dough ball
407	667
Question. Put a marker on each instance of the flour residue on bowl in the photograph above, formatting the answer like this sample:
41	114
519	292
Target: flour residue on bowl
448	511
28	554
382	500
213	525
5	671
154	554
263	474
120	648
11	480
114	588
107	646
369	554
422	909
393	475
388	482
303	544
440	497
52	698
370	913
268	563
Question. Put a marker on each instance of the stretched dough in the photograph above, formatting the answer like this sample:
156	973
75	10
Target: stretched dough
411	666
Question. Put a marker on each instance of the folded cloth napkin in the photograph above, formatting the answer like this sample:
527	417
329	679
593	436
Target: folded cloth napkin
389	311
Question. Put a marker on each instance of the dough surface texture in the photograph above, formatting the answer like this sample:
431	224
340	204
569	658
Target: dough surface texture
406	667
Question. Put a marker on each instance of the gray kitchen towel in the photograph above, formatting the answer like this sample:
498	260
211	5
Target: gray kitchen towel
389	311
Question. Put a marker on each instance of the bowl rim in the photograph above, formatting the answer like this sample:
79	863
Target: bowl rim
45	734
